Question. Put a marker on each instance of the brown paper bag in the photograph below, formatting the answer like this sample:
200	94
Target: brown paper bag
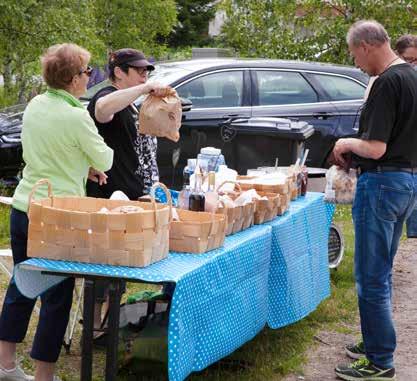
161	116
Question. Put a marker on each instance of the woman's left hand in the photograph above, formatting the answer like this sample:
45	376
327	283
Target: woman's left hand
97	176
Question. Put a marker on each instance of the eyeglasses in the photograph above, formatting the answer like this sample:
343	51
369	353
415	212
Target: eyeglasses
142	71
88	71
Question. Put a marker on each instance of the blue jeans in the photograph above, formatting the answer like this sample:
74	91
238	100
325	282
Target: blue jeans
412	224
382	203
17	309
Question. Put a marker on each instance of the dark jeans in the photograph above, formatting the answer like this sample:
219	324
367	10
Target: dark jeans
382	203
17	309
412	225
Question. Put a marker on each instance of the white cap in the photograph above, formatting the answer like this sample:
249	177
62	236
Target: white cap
210	151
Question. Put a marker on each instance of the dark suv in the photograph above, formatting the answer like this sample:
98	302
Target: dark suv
10	145
326	96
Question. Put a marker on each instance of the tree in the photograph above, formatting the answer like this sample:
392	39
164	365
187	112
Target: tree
193	23
135	23
308	29
28	28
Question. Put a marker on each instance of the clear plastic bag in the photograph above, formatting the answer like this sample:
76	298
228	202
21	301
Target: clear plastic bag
340	185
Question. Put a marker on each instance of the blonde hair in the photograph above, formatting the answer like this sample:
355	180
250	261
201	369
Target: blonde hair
61	62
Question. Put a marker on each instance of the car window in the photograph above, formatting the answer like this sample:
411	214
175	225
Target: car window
163	73
283	87
340	88
94	89
221	89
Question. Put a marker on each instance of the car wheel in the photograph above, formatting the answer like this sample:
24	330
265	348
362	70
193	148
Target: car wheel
336	247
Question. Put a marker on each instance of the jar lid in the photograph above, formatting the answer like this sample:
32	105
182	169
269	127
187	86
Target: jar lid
210	151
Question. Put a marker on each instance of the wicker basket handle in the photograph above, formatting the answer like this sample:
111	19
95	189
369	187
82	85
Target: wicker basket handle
36	186
222	205
230	182
167	194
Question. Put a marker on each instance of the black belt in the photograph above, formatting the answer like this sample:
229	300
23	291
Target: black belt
385	168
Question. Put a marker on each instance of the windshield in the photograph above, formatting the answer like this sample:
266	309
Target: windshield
163	73
167	73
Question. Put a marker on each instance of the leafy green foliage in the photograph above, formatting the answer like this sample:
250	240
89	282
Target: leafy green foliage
193	22
134	23
308	29
4	226
28	28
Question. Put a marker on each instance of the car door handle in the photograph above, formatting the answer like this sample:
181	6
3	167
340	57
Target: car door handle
322	115
228	118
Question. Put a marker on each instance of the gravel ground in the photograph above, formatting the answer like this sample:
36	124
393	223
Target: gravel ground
329	349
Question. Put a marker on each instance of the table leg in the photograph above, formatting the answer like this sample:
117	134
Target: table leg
113	330
88	326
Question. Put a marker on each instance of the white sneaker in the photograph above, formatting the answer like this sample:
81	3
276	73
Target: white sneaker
16	374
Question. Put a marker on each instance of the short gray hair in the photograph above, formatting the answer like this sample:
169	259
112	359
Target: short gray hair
369	31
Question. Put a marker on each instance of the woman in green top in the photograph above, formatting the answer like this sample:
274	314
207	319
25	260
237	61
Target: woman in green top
61	143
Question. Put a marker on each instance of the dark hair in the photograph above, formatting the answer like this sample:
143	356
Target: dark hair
125	58
124	68
60	63
404	42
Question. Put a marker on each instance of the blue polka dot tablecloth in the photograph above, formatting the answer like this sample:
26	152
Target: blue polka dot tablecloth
299	272
274	273
220	299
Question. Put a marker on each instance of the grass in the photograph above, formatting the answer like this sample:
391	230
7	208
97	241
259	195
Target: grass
269	356
5	218
4	226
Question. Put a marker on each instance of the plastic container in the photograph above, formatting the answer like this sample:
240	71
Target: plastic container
183	197
209	159
226	174
263	139
190	167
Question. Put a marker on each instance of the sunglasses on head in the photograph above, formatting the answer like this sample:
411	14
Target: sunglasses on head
87	71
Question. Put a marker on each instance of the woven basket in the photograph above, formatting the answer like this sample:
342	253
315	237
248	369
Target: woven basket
197	232
240	217
70	228
284	205
244	182
268	188
293	187
266	210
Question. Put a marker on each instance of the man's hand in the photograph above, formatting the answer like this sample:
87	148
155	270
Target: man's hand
369	149
342	147
97	176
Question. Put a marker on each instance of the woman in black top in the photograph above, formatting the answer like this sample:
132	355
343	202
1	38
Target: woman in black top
134	167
